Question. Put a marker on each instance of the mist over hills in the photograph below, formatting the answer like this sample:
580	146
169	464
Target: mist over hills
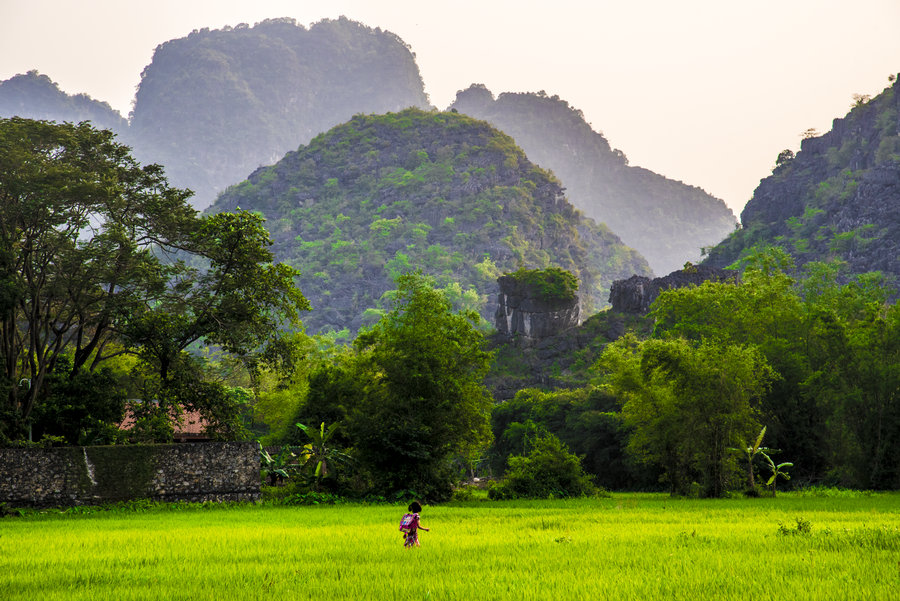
837	200
215	105
666	220
441	192
34	96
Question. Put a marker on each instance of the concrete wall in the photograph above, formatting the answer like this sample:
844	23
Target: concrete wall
210	471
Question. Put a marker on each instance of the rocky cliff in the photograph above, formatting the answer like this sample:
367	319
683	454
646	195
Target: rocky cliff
215	105
637	293
838	199
527	313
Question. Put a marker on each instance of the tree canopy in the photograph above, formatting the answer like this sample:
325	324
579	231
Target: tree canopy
96	261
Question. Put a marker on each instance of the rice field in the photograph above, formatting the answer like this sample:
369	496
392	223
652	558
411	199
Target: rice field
625	547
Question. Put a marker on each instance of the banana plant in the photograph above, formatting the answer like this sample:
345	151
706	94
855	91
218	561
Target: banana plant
277	468
777	470
320	455
751	452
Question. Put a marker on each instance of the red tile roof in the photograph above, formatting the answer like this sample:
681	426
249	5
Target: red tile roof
191	425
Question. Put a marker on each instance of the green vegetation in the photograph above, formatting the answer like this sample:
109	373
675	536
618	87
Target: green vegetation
408	399
100	258
813	361
623	547
547	470
552	283
439	192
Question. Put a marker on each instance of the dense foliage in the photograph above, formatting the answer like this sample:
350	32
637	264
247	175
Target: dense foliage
666	221
836	199
408	401
813	360
440	192
215	105
551	284
547	470
99	257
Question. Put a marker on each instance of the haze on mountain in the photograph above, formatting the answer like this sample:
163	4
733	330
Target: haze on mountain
837	200
440	192
667	221
215	105
34	96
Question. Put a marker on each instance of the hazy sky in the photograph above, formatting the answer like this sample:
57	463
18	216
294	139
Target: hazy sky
703	91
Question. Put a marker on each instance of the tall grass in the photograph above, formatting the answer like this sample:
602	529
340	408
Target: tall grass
624	547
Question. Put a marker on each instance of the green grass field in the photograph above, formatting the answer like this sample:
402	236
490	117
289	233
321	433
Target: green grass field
624	547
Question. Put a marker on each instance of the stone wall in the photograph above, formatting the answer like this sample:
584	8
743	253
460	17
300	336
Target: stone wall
210	471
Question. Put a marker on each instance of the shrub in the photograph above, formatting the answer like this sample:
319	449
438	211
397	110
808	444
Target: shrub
549	469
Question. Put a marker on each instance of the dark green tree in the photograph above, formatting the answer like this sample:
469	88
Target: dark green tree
547	469
101	257
423	400
79	220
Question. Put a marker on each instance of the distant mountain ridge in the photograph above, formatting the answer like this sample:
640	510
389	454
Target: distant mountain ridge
838	199
215	105
667	221
35	96
440	192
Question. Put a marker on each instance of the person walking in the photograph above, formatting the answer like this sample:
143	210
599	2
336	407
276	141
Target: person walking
410	525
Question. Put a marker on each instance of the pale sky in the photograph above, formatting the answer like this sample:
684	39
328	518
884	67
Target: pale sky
703	91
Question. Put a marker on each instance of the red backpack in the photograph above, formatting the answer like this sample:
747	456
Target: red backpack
408	522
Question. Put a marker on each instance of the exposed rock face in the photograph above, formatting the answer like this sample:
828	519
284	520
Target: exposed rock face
637	293
523	313
838	199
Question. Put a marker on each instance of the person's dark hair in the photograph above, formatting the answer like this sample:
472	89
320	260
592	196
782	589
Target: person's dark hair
414	507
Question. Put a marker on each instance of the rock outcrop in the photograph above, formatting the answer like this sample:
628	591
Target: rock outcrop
528	315
637	293
837	200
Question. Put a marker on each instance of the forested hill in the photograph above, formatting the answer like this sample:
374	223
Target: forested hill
34	96
837	199
215	105
441	192
666	220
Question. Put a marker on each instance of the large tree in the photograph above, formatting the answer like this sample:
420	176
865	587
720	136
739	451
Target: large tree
687	405
97	248
423	400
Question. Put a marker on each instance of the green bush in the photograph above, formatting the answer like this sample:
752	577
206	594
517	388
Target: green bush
552	283
549	469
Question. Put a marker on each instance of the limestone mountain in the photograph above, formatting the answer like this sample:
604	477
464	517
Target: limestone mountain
665	220
35	96
215	105
838	199
440	192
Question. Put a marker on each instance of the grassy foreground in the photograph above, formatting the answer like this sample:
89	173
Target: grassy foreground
626	547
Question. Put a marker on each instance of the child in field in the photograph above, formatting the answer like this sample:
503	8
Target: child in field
410	525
